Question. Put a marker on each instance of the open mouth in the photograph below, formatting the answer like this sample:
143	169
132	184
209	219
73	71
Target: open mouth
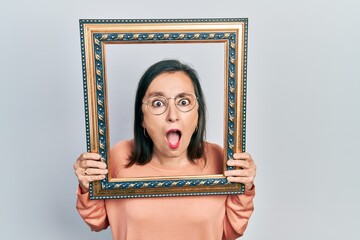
173	137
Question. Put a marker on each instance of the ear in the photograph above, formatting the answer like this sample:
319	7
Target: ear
143	124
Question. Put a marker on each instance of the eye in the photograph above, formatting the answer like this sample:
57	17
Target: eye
184	102
157	103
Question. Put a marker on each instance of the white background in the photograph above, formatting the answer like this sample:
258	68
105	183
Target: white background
302	120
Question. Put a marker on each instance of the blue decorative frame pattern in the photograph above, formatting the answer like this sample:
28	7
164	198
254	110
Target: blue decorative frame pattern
92	43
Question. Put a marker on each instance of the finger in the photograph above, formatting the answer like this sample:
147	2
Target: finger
89	156
87	172
237	173
95	171
92	178
98	177
93	164
241	173
242	156
238	163
244	180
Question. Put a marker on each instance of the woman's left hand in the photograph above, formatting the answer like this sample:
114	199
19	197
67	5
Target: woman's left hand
246	170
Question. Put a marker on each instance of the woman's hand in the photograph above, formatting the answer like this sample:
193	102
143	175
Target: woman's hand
246	173
88	168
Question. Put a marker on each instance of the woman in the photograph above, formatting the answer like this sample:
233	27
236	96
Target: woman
168	140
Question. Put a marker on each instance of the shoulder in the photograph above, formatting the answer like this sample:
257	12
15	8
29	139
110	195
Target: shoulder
214	157
119	155
123	146
213	150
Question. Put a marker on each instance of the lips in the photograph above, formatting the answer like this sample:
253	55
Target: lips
173	137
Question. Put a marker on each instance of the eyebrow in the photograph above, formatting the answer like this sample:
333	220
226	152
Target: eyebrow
152	94
156	94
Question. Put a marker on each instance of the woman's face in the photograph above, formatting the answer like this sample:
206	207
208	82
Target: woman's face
170	131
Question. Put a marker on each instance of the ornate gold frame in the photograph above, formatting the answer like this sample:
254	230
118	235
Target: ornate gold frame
96	33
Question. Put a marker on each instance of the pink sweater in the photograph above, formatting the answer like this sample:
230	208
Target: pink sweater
193	217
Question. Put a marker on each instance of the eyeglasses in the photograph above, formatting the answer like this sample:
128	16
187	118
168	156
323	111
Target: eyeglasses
157	105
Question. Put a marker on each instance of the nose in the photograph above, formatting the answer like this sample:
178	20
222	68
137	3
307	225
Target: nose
172	112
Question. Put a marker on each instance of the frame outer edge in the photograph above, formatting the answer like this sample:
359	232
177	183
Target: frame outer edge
90	76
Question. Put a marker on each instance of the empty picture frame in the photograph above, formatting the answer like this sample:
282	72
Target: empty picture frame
96	37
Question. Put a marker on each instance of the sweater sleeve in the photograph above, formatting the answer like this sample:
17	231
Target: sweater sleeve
93	212
238	211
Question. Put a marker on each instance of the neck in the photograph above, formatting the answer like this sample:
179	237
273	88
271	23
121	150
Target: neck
171	160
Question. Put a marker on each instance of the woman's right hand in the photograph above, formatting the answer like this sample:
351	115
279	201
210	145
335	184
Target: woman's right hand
88	168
